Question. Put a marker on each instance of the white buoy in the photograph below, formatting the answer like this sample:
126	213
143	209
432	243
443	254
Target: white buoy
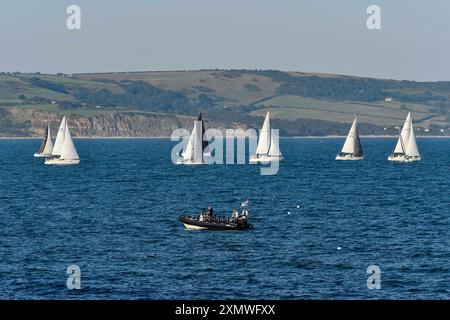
339	248
289	212
298	206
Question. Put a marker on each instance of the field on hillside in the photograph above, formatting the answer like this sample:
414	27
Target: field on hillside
381	113
11	87
227	88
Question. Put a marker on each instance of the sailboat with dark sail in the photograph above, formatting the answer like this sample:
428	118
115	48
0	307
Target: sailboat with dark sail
205	148
197	147
46	148
352	149
406	148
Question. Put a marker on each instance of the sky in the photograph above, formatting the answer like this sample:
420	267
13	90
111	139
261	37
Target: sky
325	36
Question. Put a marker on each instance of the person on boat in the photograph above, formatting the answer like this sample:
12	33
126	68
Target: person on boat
244	214
235	214
210	212
200	218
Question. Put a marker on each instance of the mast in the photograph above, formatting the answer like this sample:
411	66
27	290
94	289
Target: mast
264	137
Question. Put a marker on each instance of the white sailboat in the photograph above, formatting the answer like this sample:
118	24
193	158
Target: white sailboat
205	145
59	139
193	154
64	151
352	149
46	148
268	148
406	149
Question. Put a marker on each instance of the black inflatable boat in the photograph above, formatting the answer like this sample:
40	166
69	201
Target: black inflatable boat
207	220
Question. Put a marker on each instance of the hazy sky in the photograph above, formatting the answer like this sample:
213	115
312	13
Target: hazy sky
317	35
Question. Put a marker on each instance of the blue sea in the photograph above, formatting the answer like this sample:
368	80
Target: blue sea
318	224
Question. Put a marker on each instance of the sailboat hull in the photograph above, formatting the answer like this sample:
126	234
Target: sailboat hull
41	155
349	157
205	154
265	159
189	162
402	158
62	162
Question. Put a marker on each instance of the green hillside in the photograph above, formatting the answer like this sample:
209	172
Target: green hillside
300	103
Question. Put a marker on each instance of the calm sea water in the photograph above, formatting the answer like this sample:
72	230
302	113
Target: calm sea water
115	216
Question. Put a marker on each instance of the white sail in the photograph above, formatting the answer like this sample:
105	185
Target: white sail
59	142
198	143
411	146
69	152
264	137
405	133
274	150
194	148
349	144
48	149
189	151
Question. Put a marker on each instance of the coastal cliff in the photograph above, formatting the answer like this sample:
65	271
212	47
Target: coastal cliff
32	123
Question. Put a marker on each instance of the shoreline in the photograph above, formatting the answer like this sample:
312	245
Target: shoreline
361	136
166	137
84	138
